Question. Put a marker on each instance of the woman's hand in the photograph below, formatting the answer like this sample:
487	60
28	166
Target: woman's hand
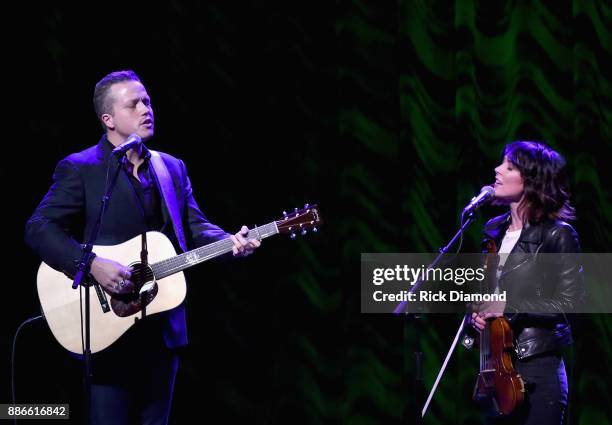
486	311
479	319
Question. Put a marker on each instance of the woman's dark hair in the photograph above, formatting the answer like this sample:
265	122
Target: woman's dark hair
545	181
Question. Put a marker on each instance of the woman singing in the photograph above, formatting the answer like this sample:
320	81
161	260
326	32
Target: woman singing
532	181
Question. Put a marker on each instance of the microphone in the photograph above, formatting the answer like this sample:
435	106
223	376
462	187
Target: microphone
487	193
132	141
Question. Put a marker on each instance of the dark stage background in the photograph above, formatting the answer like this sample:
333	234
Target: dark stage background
390	115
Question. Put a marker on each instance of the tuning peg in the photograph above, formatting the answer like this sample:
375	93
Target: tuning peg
292	236
285	214
306	206
304	232
315	230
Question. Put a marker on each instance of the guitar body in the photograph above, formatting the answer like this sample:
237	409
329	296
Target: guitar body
61	304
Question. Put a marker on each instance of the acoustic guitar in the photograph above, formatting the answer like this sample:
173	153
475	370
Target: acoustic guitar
159	285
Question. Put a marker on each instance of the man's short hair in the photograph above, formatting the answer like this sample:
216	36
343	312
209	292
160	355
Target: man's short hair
103	103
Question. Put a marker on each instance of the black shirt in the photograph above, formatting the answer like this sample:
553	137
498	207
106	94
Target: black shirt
146	192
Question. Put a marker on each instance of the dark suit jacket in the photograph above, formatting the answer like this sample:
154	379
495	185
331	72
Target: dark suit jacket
69	210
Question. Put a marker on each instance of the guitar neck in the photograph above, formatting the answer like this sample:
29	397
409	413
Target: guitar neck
188	259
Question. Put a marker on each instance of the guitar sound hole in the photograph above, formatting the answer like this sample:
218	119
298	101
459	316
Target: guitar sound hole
141	274
128	304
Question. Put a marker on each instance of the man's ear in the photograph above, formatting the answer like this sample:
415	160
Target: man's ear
108	121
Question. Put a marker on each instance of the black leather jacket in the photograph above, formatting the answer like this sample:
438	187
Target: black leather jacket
538	298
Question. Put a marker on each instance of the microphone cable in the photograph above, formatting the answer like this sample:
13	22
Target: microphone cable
25	322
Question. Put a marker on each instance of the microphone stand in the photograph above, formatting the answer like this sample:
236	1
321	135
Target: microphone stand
416	416
82	278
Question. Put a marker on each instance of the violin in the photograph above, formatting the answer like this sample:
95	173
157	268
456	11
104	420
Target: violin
499	389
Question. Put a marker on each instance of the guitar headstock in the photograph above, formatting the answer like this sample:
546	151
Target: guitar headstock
300	221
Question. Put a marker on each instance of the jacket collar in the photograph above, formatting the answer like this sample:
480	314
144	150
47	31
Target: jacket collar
531	233
105	148
496	229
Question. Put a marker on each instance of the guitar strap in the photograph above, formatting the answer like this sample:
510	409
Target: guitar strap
166	188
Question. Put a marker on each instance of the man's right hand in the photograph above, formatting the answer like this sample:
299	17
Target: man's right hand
113	277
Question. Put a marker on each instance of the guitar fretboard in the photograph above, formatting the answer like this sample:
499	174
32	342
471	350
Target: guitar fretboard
185	260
